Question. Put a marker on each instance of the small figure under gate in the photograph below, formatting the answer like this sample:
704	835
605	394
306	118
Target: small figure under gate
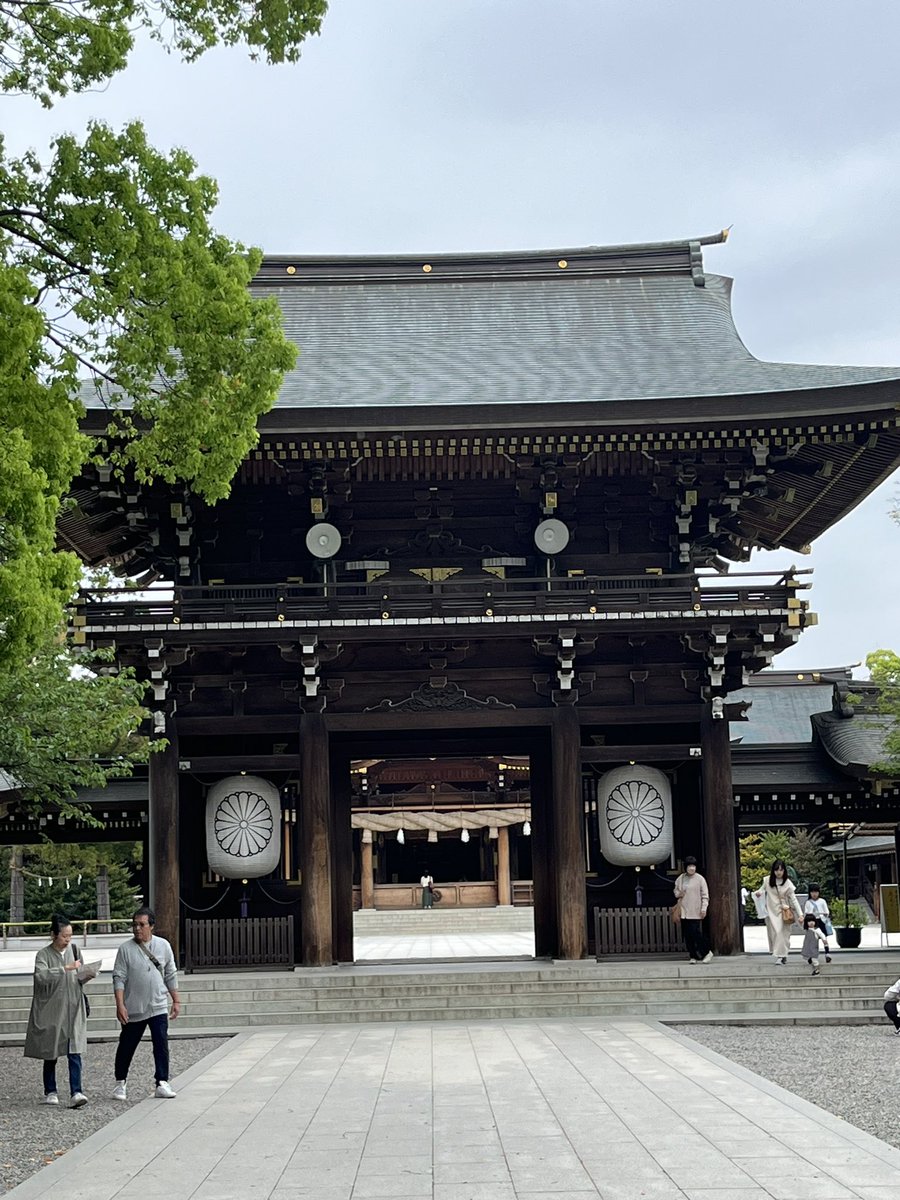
812	937
819	909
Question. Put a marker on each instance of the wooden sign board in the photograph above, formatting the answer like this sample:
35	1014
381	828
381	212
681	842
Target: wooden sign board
890	909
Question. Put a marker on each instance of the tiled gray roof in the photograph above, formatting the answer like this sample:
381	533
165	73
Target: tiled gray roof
780	715
757	773
853	742
632	323
524	341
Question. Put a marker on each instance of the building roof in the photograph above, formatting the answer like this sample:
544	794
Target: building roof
782	704
585	326
626	323
855	743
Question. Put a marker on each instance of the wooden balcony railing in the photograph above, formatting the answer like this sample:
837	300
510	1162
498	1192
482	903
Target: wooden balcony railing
412	598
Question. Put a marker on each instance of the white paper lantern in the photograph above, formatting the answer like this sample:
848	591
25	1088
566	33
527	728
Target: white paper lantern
243	813
634	807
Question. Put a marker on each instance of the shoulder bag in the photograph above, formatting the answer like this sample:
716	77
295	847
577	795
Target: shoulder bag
787	913
87	1003
154	960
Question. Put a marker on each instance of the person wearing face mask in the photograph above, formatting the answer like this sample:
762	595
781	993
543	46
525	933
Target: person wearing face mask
782	910
692	894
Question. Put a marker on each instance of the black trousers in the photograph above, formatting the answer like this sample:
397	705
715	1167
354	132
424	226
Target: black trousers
890	1007
694	938
129	1037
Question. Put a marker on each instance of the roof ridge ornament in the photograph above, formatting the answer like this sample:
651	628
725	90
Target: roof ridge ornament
697	274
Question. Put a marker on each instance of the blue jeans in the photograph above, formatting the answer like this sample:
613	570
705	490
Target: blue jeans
128	1042
74	1074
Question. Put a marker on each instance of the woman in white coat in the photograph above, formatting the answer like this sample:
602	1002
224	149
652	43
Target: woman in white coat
777	892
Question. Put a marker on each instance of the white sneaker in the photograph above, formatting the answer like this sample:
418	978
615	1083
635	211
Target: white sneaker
707	957
164	1091
79	1100
49	1098
120	1091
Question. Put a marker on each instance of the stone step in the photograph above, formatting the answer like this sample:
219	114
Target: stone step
740	989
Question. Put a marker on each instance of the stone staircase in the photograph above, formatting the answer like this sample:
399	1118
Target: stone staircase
744	989
442	921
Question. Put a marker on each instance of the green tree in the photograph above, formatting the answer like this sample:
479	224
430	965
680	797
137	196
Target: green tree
66	727
812	863
68	879
51	47
109	269
884	670
111	273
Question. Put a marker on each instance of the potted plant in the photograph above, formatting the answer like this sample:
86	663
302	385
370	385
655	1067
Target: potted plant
848	922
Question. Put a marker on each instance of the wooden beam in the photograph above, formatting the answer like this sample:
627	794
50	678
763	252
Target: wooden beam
316	933
504	892
543	858
626	754
486	718
366	877
286	723
250	763
164	866
720	835
568	827
342	858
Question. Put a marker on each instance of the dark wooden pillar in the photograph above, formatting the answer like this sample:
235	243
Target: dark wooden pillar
504	893
568	826
366	876
720	836
342	859
164	866
316	932
543	861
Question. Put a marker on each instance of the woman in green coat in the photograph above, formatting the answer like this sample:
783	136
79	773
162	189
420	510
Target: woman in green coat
57	1023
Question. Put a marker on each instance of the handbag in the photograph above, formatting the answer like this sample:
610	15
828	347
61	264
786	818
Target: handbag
87	1003
787	913
676	913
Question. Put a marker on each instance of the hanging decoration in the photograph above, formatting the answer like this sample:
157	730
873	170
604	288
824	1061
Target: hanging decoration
401	836
243	813
634	810
464	836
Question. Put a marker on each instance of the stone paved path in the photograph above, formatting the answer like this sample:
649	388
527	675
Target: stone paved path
624	1110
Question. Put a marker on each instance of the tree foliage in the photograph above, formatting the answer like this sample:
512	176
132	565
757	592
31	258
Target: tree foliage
884	670
68	894
811	862
111	273
51	47
65	727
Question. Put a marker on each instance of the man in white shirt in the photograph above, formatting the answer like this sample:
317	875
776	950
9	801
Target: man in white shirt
144	978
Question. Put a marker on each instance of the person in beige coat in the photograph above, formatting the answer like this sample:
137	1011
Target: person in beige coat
57	1023
692	895
778	893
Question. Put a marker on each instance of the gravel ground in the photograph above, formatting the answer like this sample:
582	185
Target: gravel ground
852	1071
32	1135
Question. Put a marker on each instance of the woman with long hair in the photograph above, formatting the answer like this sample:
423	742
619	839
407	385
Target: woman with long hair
782	910
57	1023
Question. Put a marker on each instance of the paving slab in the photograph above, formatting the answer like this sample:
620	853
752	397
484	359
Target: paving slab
611	1109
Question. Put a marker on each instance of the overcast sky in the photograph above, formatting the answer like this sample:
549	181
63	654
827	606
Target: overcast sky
428	125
